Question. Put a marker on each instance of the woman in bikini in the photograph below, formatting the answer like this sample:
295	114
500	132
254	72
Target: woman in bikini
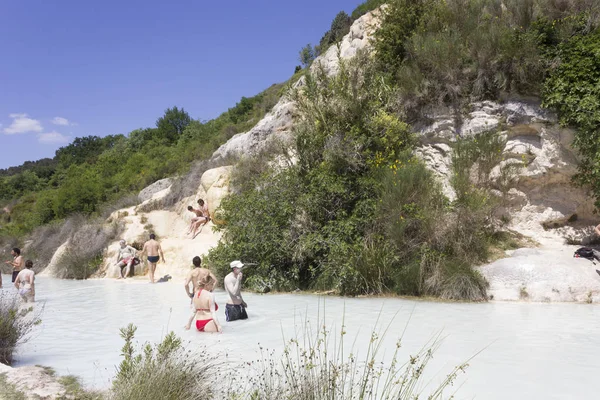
205	308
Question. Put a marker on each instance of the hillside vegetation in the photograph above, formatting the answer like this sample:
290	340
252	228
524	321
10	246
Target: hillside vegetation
358	213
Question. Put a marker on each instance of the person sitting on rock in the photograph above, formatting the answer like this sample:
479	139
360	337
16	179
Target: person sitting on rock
125	258
204	208
196	221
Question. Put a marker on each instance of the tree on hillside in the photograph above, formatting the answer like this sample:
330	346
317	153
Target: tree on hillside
85	149
340	26
307	55
172	124
139	137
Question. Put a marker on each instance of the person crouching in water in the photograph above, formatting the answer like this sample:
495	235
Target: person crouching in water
236	306
205	308
25	283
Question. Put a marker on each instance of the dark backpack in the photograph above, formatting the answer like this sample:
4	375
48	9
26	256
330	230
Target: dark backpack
584	252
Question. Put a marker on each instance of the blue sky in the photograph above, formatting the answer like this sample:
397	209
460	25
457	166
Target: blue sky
73	68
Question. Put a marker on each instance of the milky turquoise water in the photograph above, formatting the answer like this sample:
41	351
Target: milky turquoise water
530	350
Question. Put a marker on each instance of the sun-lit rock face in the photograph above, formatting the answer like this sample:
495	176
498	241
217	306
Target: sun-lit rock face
214	186
34	382
543	188
541	196
157	187
278	122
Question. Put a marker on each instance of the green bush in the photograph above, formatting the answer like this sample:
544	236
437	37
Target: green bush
162	372
294	221
15	324
573	88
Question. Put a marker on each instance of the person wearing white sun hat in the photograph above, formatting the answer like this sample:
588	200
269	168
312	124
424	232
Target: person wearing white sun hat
236	306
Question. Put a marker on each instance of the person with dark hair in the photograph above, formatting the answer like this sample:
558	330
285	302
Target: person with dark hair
196	221
16	263
152	249
236	306
204	209
25	283
195	275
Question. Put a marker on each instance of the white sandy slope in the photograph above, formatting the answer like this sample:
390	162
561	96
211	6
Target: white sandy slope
33	381
547	273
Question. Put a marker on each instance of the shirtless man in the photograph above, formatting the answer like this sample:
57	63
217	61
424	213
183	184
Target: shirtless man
152	249
196	275
236	306
16	263
204	209
125	258
196	221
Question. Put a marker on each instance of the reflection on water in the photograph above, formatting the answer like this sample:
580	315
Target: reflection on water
531	351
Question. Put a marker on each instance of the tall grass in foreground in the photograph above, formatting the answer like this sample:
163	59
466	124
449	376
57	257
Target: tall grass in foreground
15	323
162	372
318	365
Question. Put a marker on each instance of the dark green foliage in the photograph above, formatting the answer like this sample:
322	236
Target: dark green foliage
172	124
340	26
573	88
43	168
400	21
307	55
85	149
366	7
287	220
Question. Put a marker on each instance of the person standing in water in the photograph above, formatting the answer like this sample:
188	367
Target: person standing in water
125	258
16	263
236	306
205	307
196	275
152	250
25	283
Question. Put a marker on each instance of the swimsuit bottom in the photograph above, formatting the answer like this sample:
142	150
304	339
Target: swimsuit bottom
27	294
201	323
14	275
153	259
234	312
